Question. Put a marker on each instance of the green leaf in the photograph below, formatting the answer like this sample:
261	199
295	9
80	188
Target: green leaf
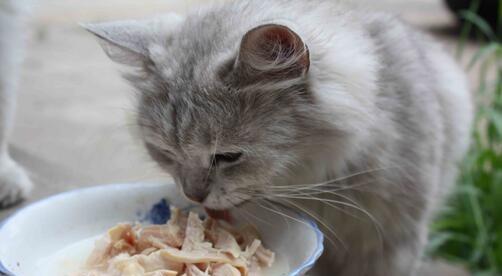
485	273
438	240
484	52
496	119
480	23
470	230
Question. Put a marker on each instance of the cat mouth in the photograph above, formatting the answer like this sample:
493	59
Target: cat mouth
223	214
219	214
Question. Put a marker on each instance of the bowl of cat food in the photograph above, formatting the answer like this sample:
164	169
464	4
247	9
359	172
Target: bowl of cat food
149	229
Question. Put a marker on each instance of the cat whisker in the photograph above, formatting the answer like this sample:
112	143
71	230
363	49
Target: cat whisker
319	220
212	158
274	207
322	190
354	205
242	210
288	195
310	191
331	181
329	202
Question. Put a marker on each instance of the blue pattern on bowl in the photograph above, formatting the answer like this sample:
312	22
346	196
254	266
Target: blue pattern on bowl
159	213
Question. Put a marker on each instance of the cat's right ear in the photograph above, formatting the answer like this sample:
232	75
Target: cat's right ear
273	51
129	42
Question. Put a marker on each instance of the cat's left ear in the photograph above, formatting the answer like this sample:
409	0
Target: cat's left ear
128	42
275	51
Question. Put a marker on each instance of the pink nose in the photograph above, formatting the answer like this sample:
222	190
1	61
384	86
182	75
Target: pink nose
197	195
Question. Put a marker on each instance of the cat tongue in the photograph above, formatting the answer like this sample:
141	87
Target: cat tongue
219	214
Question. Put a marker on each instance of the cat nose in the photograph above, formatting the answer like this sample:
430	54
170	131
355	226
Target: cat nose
197	195
195	184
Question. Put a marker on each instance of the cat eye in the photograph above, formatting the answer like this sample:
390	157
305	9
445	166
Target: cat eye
227	157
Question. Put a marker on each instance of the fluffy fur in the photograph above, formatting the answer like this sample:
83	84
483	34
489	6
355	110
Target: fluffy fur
353	117
14	182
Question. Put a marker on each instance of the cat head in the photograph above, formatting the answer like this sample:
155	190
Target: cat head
224	111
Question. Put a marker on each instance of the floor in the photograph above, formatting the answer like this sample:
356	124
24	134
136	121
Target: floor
72	126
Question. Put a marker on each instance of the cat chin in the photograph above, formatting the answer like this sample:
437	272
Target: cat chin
223	204
223	213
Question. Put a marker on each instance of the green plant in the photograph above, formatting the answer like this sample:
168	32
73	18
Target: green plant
470	230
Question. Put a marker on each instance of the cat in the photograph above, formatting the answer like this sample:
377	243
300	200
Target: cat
15	183
350	116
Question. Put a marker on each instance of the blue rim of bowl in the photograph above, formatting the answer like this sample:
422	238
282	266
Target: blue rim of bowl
308	264
304	267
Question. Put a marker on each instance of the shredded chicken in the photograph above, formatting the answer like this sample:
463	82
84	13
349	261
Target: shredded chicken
185	246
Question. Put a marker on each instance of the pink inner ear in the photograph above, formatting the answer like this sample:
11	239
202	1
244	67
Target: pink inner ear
275	45
279	43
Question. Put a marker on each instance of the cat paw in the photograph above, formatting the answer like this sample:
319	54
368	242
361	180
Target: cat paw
15	185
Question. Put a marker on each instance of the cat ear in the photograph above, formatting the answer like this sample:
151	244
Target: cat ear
274	50
128	42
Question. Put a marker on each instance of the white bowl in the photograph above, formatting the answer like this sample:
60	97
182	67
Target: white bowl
59	231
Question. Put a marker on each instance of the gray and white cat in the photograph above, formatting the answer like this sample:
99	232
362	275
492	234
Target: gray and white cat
14	181
353	117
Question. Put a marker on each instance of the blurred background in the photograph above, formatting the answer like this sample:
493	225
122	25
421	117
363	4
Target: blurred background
74	111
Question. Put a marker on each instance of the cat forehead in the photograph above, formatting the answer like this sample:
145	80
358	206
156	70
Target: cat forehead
199	115
188	57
